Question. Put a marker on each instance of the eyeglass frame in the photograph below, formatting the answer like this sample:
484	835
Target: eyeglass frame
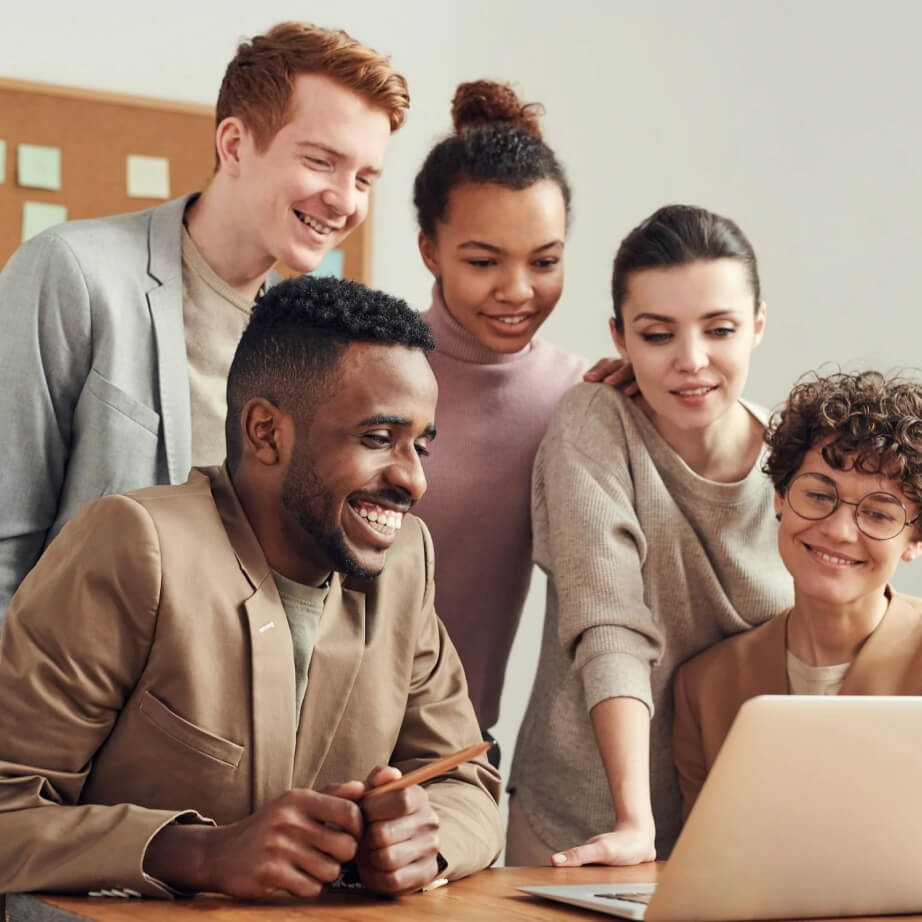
839	502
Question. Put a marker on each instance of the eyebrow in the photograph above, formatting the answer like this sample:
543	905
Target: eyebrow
665	318
480	245
383	419
337	154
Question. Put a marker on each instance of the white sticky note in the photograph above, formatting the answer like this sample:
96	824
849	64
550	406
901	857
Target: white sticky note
148	177
39	167
39	216
332	264
2	160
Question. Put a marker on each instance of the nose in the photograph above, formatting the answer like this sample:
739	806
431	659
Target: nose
406	474
341	196
692	354
842	524
515	286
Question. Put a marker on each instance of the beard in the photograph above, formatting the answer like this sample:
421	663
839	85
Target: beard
309	522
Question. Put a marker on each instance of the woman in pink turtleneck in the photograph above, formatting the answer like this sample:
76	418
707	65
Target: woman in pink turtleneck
492	203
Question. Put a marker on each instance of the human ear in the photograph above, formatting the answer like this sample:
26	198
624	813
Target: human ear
265	431
430	257
911	551
759	326
229	136
618	339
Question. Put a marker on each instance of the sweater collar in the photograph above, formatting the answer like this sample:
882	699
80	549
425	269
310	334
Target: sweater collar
454	340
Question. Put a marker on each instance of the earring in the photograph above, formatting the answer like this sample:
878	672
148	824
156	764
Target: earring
778	517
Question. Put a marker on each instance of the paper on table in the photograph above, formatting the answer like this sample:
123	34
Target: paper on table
38	216
331	264
39	167
2	160
148	177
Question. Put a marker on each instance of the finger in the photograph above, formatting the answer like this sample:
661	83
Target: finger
423	843
402	829
350	790
395	804
325	808
315	863
597	370
382	774
589	853
339	845
405	879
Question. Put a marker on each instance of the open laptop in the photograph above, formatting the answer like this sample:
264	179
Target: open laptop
813	808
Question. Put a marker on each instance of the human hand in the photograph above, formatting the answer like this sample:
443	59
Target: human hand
629	843
294	845
398	852
615	373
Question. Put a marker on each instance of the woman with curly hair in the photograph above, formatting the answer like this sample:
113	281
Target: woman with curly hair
845	457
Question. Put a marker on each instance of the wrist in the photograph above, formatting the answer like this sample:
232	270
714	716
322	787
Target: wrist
178	856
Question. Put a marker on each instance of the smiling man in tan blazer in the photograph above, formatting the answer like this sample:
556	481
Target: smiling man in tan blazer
198	679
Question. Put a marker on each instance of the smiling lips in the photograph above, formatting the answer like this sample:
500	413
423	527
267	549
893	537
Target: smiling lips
828	557
698	391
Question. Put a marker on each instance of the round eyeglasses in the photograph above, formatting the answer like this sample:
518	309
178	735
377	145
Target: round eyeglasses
880	516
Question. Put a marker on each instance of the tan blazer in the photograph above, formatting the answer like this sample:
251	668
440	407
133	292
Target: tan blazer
146	669
710	688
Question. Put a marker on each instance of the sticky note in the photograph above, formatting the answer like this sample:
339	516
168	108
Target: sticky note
38	216
332	264
148	177
39	167
2	160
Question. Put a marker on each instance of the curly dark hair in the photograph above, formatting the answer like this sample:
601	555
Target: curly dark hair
298	331
865	422
497	140
676	235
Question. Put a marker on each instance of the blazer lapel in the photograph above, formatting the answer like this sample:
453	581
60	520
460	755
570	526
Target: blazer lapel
334	666
165	303
271	657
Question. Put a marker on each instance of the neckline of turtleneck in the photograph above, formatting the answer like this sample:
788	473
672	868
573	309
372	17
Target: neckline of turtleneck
455	341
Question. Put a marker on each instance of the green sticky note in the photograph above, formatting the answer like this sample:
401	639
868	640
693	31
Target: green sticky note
38	216
2	160
39	167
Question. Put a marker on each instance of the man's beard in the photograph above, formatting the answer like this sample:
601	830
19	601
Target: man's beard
310	507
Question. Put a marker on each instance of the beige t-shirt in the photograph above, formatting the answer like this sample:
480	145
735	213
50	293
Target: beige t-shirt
814	680
214	318
303	607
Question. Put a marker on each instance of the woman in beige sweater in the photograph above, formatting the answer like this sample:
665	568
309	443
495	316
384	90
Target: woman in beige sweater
654	524
846	461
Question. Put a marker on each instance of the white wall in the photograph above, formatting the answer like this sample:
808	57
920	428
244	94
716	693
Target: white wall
798	119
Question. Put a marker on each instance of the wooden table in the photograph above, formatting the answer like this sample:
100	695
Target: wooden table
489	895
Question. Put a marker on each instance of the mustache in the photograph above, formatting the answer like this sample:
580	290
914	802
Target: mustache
396	498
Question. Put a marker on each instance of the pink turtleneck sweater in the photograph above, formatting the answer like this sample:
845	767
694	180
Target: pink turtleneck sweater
492	413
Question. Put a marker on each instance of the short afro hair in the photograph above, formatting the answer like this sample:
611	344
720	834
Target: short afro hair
864	421
298	331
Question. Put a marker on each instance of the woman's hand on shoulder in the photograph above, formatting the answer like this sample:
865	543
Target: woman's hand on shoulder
613	372
628	843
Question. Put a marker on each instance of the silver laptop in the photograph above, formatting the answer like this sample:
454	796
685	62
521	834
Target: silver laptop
813	809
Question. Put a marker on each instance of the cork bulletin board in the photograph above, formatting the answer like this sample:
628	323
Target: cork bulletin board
96	132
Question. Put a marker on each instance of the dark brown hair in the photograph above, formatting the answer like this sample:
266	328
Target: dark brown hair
864	421
497	140
675	235
259	81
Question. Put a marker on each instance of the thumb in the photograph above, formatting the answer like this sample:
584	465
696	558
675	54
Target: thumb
578	856
349	790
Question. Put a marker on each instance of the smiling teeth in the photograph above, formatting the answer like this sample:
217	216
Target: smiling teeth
511	320
838	561
695	392
383	518
310	222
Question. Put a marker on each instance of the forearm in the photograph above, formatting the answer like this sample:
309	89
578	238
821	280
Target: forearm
622	733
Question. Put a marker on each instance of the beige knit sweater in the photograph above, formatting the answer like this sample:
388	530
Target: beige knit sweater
647	564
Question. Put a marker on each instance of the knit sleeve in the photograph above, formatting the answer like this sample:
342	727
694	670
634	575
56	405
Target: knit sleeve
589	540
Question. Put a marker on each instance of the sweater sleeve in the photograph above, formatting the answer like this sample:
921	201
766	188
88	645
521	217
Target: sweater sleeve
586	527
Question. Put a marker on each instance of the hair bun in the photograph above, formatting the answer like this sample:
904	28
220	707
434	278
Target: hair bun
484	101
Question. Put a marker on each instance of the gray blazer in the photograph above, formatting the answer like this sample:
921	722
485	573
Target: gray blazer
94	388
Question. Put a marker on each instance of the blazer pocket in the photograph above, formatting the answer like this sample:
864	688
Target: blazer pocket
114	397
187	733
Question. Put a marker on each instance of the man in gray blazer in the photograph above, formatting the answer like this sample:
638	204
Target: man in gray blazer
118	332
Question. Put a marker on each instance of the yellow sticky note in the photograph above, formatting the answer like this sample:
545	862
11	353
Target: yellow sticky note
148	177
39	167
2	160
38	216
